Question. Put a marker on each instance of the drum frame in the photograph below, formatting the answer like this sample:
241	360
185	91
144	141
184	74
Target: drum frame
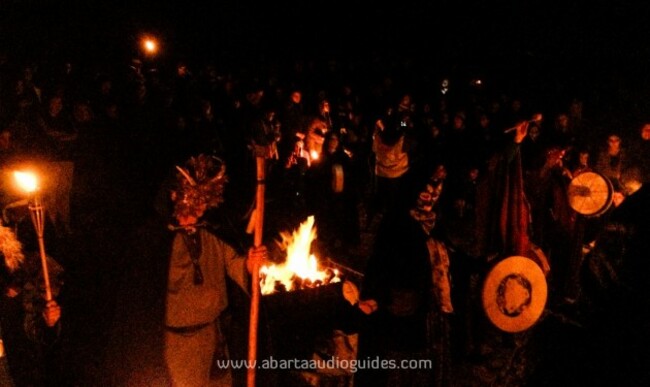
604	207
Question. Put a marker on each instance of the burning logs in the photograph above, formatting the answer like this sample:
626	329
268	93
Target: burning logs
301	268
301	299
309	304
298	283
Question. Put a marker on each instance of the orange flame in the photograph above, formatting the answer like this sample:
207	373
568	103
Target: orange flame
27	181
301	267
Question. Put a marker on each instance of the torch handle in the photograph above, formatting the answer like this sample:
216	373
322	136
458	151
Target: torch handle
37	212
46	274
255	282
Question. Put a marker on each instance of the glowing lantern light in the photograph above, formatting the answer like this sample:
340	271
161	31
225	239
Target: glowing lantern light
150	45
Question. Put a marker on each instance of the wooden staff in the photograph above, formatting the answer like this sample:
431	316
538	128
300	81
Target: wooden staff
255	282
537	118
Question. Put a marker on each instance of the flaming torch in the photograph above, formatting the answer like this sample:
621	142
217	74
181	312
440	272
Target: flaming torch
29	183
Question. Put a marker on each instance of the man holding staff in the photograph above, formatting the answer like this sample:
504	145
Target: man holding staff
199	263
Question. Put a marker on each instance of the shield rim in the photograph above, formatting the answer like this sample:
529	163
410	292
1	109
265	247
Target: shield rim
604	206
527	268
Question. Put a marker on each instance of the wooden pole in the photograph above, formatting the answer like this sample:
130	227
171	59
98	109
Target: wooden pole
38	219
255	282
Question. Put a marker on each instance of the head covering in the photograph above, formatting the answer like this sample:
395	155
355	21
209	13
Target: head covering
200	186
12	256
10	248
423	210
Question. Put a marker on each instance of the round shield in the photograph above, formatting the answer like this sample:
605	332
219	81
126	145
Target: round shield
514	294
590	194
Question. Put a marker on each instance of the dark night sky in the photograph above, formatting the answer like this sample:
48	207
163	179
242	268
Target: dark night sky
579	30
580	41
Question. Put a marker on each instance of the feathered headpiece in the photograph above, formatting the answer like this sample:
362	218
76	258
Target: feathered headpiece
200	185
11	249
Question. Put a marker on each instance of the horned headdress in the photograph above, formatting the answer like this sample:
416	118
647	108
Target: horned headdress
201	183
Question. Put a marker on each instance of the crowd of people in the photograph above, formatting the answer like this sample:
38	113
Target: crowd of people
417	164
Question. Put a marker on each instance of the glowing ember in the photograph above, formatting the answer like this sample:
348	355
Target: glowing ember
300	270
314	155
